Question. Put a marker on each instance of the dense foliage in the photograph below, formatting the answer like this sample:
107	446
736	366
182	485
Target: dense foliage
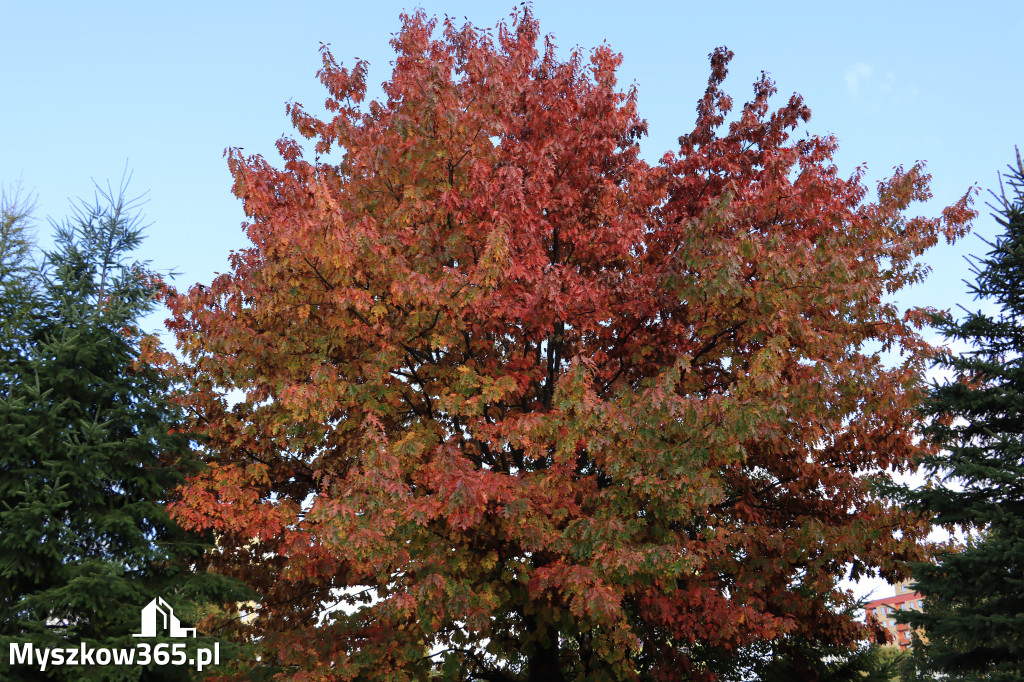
510	403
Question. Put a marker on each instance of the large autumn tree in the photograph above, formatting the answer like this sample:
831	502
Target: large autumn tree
518	405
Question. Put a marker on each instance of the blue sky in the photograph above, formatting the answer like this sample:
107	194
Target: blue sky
165	87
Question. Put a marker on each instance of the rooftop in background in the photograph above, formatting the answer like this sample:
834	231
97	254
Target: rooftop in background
883	609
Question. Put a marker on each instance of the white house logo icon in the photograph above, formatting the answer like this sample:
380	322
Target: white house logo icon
158	614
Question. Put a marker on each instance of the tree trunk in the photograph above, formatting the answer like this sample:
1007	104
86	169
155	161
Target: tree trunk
544	667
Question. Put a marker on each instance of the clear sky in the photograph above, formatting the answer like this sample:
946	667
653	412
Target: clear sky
165	87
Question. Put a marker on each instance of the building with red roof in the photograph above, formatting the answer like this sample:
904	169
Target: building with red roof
885	610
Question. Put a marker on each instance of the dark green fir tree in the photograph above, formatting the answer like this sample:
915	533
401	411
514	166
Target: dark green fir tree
88	456
17	244
973	620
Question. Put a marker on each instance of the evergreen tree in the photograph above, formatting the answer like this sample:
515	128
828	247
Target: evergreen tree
16	274
973	619
16	240
88	454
